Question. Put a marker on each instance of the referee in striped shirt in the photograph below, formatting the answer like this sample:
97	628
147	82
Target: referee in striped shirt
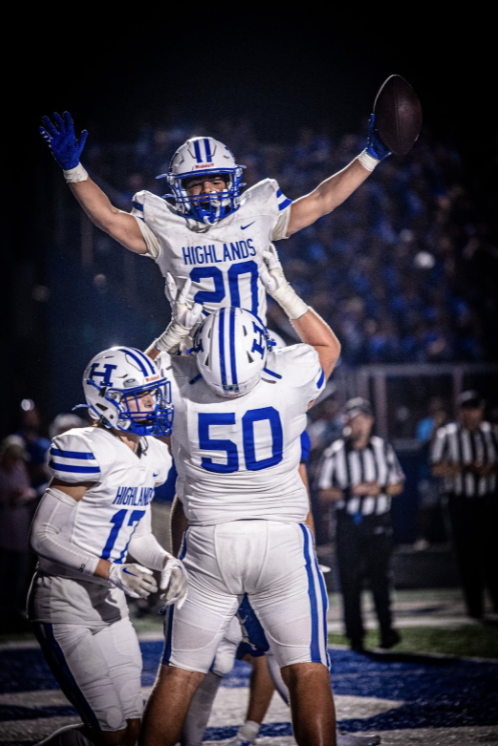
359	475
465	455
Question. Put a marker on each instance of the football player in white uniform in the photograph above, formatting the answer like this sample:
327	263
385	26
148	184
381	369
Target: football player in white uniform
208	231
240	410
95	511
245	640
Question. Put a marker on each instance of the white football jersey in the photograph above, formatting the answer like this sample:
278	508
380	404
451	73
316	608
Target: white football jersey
223	260
106	517
238	459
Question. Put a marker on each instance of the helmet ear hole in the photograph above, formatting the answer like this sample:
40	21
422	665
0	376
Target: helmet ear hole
231	353
137	395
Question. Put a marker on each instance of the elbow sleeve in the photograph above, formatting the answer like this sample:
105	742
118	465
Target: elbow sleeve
51	529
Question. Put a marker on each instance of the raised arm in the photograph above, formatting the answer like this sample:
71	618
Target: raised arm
337	188
66	149
312	329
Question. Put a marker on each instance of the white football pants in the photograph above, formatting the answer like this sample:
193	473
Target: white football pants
275	565
99	670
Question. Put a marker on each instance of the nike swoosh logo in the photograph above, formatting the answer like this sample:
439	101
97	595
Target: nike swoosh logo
129	573
155	475
243	227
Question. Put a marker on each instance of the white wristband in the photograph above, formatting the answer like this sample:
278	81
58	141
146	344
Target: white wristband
290	302
171	339
73	175
368	161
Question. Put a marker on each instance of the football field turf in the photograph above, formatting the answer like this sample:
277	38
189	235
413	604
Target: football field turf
439	686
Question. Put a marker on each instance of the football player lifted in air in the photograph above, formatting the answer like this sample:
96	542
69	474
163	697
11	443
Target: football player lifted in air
240	410
208	231
96	510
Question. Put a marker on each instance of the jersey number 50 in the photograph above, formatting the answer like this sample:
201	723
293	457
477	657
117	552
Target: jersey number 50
230	448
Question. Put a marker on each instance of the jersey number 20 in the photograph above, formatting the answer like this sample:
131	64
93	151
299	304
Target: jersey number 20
233	274
230	448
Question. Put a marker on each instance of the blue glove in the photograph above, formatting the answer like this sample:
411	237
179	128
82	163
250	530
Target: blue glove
375	146
62	141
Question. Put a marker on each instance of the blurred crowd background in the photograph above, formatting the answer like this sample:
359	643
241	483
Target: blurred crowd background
405	272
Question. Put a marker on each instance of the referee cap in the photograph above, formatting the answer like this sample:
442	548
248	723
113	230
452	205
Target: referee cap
355	406
470	399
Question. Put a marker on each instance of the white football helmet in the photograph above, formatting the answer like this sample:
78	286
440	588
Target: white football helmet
114	381
231	348
204	155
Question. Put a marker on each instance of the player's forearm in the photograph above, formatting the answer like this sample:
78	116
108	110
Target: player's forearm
120	225
445	470
314	331
329	495
327	196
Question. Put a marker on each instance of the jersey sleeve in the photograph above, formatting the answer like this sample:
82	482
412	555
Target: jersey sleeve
438	448
162	460
326	473
73	459
282	212
138	212
266	198
395	472
301	366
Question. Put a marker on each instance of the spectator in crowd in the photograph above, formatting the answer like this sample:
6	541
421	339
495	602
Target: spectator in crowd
16	511
64	422
430	518
35	444
436	417
465	456
326	422
359	475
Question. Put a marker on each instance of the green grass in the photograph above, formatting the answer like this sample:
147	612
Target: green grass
480	641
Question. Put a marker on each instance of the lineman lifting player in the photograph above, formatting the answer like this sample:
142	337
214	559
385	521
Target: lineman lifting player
218	238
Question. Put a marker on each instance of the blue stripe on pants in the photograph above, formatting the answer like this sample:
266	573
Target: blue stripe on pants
315	627
55	658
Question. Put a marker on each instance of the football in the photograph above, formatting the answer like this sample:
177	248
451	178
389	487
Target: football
398	115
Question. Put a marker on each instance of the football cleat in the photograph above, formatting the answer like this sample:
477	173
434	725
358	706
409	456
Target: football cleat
197	157
114	383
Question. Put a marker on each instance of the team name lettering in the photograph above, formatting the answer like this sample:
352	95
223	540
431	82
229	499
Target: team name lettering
133	496
211	254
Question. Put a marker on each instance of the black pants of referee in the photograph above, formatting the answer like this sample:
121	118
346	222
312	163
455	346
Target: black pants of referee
474	527
364	551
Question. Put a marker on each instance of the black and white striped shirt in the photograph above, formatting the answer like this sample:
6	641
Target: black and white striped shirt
455	444
343	467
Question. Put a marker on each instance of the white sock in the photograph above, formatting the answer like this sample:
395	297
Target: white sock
249	731
200	710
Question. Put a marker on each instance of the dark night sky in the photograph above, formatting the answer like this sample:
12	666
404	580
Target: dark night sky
283	74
